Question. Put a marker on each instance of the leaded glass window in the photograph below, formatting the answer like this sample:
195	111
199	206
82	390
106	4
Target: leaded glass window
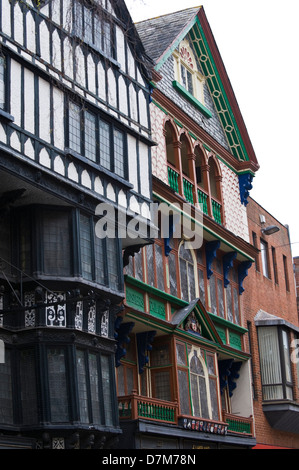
6	406
107	391
86	247
75	127
57	385
2	82
82	387
28	387
187	273
56	239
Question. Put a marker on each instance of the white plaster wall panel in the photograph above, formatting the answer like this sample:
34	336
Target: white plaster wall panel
18	24
15	141
145	211
56	50
132	162
56	11
111	193
59	165
73	173
140	79
44	110
134	206
44	10
133	102
158	152
44	158
143	109
29	102
120	45
85	179
67	15
101	81
44	41
122	199
68	62
123	96
29	149
91	74
80	66
15	95
233	209
112	90
58	118
98	186
144	174
130	63
6	13
30	32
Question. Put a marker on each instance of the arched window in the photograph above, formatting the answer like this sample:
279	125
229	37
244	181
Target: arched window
169	139
188	275
185	150
199	385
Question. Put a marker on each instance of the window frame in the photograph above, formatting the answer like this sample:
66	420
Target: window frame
284	383
80	148
265	258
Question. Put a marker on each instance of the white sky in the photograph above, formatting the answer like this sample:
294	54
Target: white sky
259	44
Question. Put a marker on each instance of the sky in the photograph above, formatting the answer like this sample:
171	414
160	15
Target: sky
258	41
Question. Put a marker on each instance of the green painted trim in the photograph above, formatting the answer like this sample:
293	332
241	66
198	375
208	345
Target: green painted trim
160	107
182	90
157	196
178	123
153	290
227	323
176	43
213	65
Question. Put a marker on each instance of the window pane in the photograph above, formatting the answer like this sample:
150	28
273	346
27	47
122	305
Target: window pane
229	304
28	387
270	362
184	392
82	387
202	293
90	136
184	280
87	25
57	259
120	381
286	354
2	83
150	265
107	37
119	167
162	385
236	306
112	259
172	274
191	282
220	297
264	255
203	397
213	295
181	354
195	396
160	355
99	260
105	147
74	127
57	386
85	247
107	391
214	398
6	410
94	389
159	267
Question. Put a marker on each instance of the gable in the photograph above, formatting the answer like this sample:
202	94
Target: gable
217	82
194	320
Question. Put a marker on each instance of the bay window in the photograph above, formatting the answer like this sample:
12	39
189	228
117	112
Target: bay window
275	363
2	82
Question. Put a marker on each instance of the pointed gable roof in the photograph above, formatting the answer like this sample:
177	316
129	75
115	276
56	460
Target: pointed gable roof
163	34
208	330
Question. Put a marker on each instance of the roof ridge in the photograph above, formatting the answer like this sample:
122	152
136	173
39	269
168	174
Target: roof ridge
167	14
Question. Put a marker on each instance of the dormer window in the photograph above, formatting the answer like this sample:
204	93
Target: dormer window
188	79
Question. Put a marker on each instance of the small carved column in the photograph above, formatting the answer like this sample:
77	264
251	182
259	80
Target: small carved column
206	184
178	164
192	173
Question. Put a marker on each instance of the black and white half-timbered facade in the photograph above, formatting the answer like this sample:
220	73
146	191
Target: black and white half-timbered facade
74	134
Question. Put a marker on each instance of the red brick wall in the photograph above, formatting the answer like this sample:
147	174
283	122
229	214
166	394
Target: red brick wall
265	294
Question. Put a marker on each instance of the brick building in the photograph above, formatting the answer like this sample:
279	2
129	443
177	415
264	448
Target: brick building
296	271
269	303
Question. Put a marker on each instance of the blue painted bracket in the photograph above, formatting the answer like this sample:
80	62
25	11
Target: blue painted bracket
144	341
122	331
245	184
211	249
242	273
227	264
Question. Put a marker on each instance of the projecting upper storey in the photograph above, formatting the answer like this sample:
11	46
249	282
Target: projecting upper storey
75	95
204	152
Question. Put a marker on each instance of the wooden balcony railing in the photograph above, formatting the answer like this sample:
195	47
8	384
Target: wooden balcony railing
203	199
135	406
173	179
238	424
188	190
216	208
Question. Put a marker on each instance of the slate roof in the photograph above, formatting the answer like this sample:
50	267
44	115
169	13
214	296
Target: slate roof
157	34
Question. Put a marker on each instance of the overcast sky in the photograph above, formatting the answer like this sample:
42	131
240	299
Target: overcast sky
259	44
